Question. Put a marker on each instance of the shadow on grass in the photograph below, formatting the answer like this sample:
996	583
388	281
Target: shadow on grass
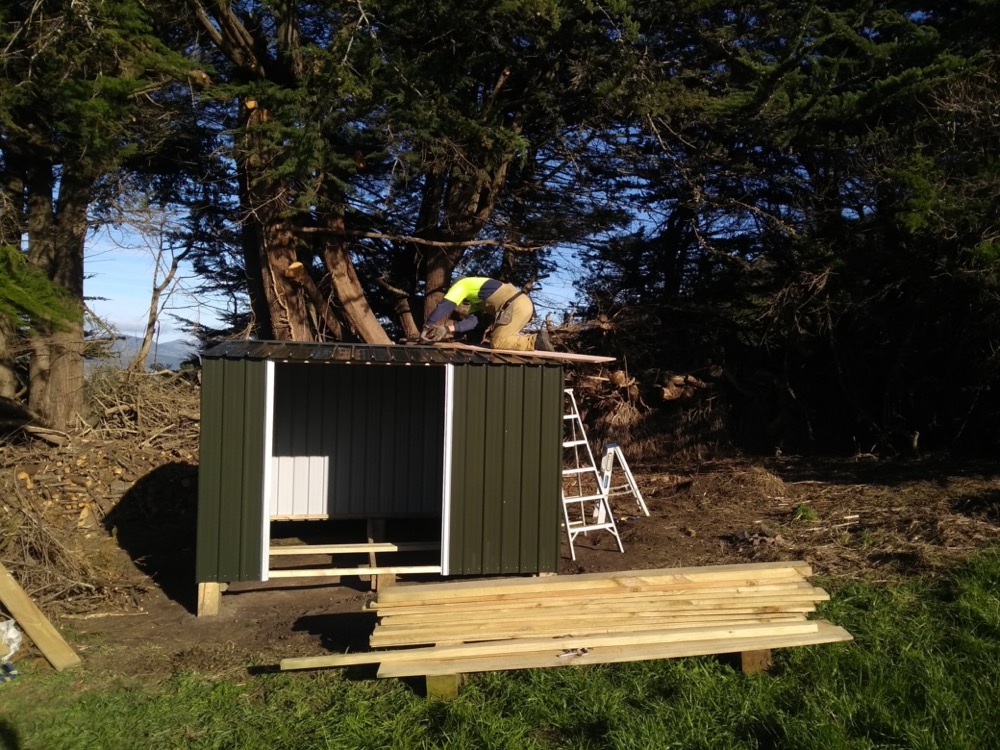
9	738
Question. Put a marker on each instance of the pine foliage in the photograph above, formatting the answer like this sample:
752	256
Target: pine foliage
27	298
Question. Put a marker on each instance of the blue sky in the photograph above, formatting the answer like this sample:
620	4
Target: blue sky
119	284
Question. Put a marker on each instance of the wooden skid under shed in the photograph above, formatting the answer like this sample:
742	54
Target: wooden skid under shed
521	623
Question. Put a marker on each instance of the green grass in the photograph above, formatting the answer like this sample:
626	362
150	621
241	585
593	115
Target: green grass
923	672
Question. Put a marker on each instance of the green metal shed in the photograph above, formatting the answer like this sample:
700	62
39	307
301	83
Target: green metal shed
305	431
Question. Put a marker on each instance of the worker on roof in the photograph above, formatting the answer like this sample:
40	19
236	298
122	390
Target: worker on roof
510	308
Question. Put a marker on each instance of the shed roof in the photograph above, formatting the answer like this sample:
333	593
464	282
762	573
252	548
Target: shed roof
384	354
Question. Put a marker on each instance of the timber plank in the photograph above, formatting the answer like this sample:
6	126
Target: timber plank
612	604
542	601
414	638
412	594
356	571
417	636
749	574
34	623
338	549
625	608
561	624
454	628
554	645
825	633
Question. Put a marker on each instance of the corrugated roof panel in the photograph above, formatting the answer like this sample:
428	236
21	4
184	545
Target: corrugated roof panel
405	354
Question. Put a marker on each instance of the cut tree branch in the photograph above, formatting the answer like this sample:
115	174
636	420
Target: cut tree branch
420	240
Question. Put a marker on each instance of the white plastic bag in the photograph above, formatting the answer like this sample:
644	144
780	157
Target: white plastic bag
10	636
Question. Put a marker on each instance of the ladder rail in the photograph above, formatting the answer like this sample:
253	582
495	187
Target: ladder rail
612	452
603	519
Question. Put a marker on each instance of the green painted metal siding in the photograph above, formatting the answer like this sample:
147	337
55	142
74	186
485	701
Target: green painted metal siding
385	455
231	471
506	470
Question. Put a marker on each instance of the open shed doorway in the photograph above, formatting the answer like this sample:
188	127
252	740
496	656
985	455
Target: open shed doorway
357	466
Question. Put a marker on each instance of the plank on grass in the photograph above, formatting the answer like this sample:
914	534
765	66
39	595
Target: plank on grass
553	645
826	633
606	606
749	572
563	595
541	601
31	620
418	636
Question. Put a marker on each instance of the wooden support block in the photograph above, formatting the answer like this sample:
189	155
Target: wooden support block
444	687
35	625
209	598
376	534
752	662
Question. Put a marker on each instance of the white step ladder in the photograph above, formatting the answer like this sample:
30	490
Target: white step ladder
601	517
612	452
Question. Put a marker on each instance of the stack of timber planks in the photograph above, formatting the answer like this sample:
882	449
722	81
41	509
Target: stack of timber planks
521	623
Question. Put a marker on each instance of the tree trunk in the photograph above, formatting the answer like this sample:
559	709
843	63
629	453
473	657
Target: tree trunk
455	210
347	286
55	245
56	377
8	349
268	208
286	300
251	243
11	217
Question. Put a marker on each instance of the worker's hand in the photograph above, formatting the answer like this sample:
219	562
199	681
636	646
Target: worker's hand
434	333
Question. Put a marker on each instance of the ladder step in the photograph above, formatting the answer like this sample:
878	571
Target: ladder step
584	528
583	499
571	443
578	470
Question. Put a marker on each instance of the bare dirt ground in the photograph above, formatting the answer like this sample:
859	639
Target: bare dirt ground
100	530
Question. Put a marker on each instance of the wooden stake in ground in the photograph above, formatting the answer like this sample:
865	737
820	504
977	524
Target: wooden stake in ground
35	625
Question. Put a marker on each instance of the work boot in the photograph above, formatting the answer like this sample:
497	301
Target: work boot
542	342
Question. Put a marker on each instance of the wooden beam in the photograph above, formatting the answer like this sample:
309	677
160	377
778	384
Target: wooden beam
826	633
749	574
444	687
752	662
606	605
418	636
35	625
209	598
357	571
362	548
508	647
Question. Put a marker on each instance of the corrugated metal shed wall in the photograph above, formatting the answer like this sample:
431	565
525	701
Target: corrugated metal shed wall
506	470
231	472
356	441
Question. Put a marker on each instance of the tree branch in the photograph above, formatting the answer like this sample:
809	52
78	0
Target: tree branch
420	240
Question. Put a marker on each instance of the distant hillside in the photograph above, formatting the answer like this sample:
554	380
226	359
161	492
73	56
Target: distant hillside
163	355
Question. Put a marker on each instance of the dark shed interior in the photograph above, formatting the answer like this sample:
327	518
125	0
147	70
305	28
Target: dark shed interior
293	433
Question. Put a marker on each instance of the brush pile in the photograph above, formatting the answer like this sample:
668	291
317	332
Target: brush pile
62	493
